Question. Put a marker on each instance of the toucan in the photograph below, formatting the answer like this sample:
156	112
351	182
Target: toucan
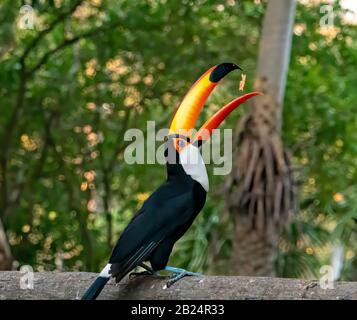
171	209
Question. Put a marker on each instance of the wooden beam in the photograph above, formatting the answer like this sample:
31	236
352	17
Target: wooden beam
71	285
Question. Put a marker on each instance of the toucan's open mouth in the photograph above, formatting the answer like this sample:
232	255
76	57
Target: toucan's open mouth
187	113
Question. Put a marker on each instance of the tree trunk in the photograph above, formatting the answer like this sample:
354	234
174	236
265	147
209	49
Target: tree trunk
261	190
5	253
71	285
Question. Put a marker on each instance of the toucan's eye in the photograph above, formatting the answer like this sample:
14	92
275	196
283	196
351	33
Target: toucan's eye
181	143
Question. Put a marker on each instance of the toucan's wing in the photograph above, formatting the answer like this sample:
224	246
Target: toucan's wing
166	210
121	268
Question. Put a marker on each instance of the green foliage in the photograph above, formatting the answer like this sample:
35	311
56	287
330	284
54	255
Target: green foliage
319	127
71	87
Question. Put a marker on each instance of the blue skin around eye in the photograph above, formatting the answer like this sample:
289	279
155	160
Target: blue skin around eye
181	143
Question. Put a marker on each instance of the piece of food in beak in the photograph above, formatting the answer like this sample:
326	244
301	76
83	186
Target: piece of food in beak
242	82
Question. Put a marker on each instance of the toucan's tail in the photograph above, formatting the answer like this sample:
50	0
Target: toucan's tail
95	289
97	286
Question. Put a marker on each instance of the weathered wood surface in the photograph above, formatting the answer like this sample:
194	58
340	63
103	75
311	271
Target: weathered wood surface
71	285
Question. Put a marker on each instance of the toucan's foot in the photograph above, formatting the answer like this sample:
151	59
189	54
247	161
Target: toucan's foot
138	274
177	274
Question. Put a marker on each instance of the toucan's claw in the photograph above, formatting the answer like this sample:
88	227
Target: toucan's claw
178	274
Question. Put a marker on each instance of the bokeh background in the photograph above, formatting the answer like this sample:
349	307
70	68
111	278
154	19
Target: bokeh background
90	70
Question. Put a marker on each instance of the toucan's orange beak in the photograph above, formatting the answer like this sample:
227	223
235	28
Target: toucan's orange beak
213	123
191	105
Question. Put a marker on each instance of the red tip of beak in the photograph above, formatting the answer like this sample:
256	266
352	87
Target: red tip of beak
213	123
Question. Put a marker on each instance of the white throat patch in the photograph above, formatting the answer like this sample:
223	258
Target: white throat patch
194	166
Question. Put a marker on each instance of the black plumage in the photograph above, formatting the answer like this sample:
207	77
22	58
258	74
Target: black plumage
163	219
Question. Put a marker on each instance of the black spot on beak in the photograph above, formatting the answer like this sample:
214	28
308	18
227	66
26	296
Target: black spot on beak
198	143
222	70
